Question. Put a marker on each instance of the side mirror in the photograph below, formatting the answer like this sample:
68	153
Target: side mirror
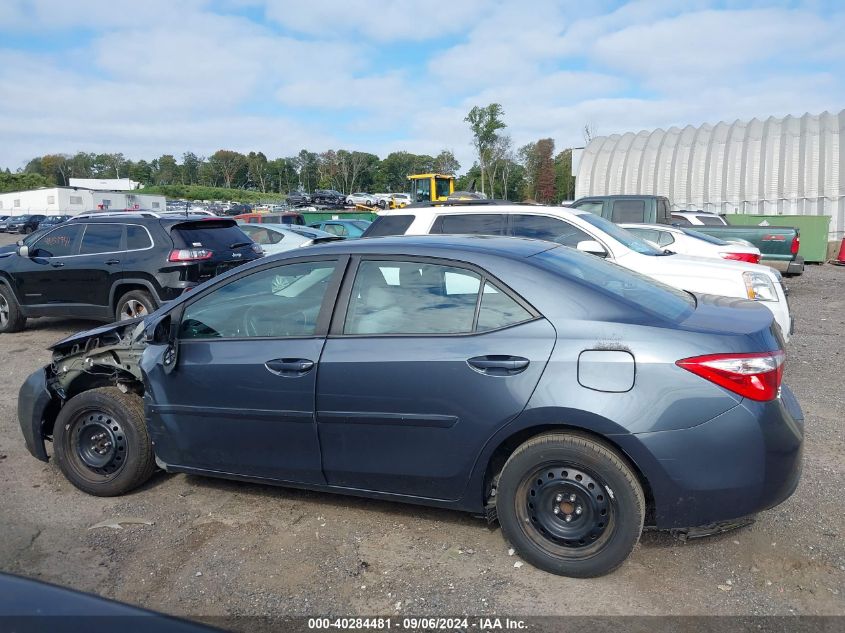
592	247
23	250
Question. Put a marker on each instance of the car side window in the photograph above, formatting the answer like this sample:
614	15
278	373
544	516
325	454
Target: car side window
499	310
540	227
665	238
101	238
392	297
628	211
137	238
389	225
710	220
59	243
662	211
470	224
594	206
681	220
335	229
283	301
652	235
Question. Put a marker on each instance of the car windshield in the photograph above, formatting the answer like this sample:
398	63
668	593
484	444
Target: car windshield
639	291
626	238
706	238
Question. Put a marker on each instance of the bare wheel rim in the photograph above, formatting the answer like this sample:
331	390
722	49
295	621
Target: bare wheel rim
4	311
96	445
133	309
566	510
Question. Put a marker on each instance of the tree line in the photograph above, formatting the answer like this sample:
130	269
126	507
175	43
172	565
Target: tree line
531	172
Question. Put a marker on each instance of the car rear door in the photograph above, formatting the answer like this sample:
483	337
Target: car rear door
419	370
99	265
240	398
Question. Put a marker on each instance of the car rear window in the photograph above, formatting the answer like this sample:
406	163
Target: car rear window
389	225
470	224
212	234
641	292
628	211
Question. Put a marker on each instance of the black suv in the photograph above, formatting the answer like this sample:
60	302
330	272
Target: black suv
328	197
298	199
115	266
24	223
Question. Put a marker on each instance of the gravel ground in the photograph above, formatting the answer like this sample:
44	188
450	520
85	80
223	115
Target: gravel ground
222	548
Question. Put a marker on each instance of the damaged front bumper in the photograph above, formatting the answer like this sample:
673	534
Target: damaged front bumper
103	356
34	399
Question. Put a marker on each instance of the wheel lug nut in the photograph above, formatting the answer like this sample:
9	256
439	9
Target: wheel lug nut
568	518
572	497
556	510
579	510
559	498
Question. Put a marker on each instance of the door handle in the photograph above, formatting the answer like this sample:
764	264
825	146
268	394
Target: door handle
57	264
289	367
112	261
498	365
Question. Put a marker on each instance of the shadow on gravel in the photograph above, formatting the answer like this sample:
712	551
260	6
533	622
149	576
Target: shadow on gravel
61	325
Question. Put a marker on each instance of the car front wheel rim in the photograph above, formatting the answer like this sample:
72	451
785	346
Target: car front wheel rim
566	510
133	309
99	443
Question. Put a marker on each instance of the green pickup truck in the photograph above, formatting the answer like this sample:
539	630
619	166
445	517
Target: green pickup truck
778	244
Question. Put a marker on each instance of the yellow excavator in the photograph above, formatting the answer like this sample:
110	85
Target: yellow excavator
439	188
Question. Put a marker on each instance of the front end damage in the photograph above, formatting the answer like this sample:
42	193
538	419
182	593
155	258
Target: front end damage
107	356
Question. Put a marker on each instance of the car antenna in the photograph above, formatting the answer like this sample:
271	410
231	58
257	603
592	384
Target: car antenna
186	210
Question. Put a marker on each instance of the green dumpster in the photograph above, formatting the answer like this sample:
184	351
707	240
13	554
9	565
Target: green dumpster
813	228
317	216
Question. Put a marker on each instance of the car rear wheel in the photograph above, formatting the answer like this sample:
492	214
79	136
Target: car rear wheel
134	304
11	319
101	442
570	505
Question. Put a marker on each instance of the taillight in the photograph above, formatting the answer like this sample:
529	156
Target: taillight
751	258
796	244
756	376
189	254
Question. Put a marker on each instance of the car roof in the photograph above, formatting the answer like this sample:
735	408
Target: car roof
483	206
435	245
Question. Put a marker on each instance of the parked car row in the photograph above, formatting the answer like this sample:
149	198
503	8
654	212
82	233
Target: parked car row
29	223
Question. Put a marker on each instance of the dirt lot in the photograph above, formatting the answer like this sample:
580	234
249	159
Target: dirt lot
222	548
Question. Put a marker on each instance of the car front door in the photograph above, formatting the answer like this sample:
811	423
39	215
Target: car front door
240	396
422	366
45	278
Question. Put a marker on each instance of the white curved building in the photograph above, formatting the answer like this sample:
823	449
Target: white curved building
789	166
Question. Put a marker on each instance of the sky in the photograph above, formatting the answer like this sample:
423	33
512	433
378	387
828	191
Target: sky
149	77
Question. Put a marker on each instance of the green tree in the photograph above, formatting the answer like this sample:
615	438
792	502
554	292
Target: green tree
21	181
229	165
166	171
529	161
485	123
190	168
141	172
545	171
446	163
564	180
258	171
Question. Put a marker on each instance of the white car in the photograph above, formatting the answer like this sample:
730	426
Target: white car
593	234
361	198
689	242
278	238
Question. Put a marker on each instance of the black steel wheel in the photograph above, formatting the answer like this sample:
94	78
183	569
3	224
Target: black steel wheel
101	442
570	505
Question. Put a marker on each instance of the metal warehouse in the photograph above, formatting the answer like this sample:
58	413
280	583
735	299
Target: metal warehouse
73	200
788	166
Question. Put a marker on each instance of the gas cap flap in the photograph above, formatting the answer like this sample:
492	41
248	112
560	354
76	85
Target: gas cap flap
608	370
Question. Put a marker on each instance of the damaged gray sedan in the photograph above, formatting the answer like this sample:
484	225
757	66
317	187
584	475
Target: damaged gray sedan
569	398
